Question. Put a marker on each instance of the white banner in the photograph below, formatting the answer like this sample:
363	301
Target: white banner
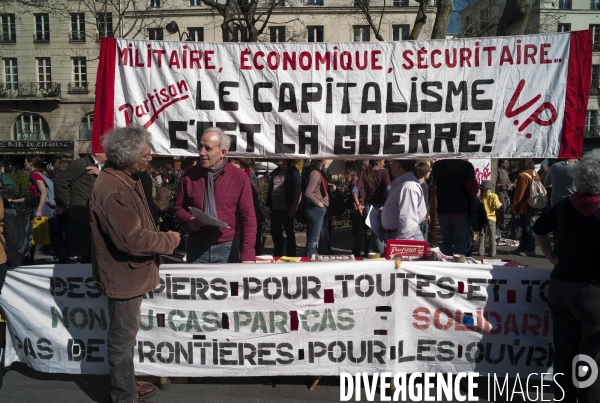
482	169
326	318
482	97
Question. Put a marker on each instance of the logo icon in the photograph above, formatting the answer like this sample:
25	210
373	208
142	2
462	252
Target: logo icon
584	371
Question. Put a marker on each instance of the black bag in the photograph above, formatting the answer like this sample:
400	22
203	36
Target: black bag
301	209
477	214
337	203
300	215
513	228
18	233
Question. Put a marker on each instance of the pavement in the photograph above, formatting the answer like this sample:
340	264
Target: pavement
22	384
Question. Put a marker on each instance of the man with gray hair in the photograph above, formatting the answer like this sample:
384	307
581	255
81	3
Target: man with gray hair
222	191
126	248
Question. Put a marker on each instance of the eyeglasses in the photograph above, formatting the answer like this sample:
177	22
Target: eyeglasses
146	157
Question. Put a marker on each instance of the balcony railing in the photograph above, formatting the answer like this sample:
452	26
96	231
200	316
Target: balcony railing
8	38
78	88
29	91
43	37
77	36
400	3
595	5
32	135
596	46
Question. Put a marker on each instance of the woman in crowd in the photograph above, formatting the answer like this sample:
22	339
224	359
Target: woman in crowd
521	207
244	165
38	186
317	202
574	294
371	191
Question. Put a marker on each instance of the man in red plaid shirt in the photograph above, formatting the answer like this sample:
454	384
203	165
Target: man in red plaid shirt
223	192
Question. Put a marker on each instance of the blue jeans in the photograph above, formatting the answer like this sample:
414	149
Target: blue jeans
527	242
124	324
456	233
199	251
316	233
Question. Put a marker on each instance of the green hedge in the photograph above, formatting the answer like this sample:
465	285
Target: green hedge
21	185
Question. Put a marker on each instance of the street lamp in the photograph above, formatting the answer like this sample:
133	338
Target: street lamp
173	28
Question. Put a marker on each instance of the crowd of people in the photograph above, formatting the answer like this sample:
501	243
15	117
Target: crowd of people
108	202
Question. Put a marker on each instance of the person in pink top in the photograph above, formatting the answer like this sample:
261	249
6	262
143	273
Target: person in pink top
43	205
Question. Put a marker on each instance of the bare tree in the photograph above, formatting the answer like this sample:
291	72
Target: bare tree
419	21
244	20
119	18
514	18
442	17
373	15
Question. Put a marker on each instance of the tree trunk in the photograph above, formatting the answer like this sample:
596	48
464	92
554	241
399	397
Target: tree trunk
419	21
228	25
442	17
514	18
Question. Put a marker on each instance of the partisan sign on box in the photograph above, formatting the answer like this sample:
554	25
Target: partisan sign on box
324	319
518	96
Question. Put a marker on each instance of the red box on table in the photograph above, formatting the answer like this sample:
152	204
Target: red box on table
405	248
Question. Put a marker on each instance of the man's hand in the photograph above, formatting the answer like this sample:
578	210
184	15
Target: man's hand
177	236
247	261
195	225
92	170
38	213
292	213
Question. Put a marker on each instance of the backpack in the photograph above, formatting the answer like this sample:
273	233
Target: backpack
301	209
18	233
538	197
162	200
7	182
50	188
477	214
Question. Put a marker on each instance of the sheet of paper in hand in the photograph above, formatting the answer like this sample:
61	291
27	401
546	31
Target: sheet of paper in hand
206	219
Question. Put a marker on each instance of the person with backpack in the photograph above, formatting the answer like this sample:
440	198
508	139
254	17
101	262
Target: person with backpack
43	204
522	208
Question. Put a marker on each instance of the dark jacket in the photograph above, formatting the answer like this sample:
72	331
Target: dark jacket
288	183
72	190
126	242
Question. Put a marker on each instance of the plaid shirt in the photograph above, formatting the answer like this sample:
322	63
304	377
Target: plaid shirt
233	196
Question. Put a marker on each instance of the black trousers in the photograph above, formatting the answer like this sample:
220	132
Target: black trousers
360	234
280	219
575	310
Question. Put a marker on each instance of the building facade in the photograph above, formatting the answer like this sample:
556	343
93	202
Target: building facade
481	19
49	54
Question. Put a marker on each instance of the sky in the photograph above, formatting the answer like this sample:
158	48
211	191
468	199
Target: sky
454	25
